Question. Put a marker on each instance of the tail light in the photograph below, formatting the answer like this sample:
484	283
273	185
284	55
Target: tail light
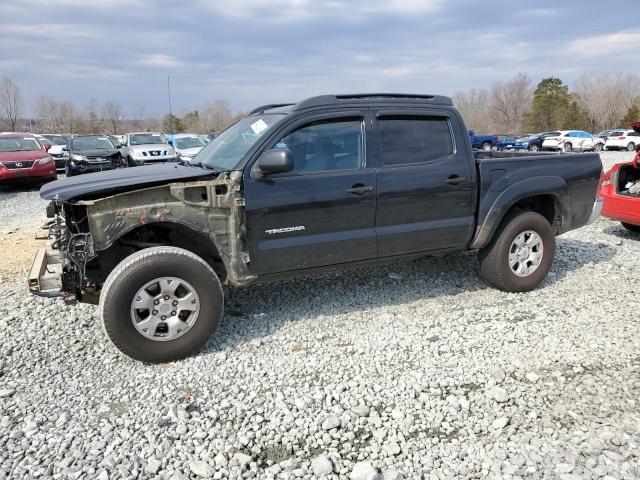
605	180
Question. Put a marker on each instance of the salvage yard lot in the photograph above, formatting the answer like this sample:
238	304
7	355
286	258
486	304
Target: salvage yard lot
418	367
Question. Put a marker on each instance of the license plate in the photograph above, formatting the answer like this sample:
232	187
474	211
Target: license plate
20	174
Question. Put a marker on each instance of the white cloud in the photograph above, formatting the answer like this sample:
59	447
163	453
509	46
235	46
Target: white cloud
285	10
601	44
160	60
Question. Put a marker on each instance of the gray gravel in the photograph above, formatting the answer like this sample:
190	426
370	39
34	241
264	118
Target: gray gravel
414	370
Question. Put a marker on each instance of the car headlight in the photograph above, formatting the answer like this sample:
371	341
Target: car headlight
137	155
43	161
78	158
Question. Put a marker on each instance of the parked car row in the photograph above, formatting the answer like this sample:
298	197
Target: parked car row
561	140
78	154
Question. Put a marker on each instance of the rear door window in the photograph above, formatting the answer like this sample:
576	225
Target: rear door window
407	140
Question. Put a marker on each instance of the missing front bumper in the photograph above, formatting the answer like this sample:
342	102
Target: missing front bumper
45	276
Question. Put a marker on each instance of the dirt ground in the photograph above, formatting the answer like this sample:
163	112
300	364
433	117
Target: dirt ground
18	245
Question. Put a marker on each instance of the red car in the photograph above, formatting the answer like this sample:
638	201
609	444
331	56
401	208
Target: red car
22	157
620	189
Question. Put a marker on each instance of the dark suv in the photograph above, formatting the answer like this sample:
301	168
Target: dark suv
91	153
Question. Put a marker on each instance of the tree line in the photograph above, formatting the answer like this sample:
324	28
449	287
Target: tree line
55	116
594	103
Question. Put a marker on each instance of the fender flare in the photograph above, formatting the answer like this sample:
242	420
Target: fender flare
531	187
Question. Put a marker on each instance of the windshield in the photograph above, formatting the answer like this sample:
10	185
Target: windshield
188	142
56	139
226	150
91	143
17	144
146	138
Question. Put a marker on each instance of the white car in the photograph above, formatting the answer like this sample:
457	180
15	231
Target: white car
623	140
141	148
186	145
570	140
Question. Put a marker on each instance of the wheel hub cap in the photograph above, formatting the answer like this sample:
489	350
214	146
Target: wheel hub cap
165	308
525	253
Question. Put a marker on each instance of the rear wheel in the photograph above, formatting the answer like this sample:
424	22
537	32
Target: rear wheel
631	227
567	147
520	254
161	304
631	147
597	147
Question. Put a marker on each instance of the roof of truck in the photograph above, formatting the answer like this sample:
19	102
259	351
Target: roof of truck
355	98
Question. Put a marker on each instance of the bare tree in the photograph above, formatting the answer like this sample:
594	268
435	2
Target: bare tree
140	115
215	117
509	102
473	105
10	102
112	113
93	122
607	97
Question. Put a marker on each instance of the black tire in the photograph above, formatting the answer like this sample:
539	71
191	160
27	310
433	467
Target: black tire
598	147
494	263
631	147
567	147
486	146
130	162
631	227
534	148
132	274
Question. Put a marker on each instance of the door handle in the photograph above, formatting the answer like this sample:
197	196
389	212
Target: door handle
359	189
454	180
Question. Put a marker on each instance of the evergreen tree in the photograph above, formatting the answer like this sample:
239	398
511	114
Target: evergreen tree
576	118
549	107
173	124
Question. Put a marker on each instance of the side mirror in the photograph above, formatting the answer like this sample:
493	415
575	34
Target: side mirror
65	148
278	160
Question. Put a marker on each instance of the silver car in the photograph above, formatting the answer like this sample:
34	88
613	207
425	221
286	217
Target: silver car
142	148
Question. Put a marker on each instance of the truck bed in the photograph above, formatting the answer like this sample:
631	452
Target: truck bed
574	176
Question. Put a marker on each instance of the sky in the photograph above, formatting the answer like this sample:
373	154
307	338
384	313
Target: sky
252	52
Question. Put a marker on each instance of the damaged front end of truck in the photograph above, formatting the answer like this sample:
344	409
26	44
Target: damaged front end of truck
91	234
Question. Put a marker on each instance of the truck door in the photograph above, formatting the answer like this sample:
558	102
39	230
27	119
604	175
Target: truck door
426	183
322	212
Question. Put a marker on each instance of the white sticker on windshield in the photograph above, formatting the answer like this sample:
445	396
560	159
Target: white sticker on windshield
259	127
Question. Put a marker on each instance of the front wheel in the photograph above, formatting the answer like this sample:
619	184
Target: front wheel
631	147
486	146
598	147
161	304
519	256
534	148
567	147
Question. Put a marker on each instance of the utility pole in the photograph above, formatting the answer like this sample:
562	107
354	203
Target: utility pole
170	114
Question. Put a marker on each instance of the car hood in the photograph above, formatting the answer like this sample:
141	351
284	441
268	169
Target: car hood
119	180
22	156
95	153
189	151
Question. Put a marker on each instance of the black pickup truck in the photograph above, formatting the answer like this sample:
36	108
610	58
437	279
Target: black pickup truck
292	189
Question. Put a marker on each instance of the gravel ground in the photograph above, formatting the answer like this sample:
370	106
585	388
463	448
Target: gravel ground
414	370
